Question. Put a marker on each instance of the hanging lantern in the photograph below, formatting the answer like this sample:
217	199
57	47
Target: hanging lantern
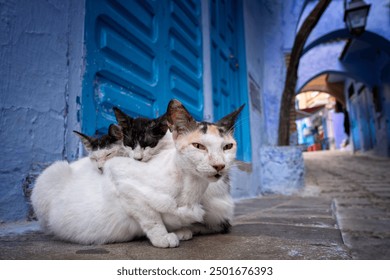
355	16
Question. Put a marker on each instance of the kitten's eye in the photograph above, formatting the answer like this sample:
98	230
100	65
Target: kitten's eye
199	146
109	154
227	146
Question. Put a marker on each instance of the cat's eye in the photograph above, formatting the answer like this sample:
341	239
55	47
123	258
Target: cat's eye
199	146
227	146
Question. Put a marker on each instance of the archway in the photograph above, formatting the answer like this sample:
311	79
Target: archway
362	59
320	119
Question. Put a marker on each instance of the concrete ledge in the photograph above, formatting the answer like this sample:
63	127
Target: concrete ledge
271	227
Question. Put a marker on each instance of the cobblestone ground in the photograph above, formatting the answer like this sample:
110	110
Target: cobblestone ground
360	188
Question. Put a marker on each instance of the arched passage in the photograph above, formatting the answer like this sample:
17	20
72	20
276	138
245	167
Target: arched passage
330	83
358	61
320	119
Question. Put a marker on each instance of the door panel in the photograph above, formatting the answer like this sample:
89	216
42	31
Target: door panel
185	55
229	85
139	55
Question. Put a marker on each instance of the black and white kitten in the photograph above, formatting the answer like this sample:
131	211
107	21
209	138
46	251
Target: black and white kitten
146	137
103	148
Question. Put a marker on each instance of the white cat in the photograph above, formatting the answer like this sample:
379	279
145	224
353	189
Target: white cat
143	136
133	198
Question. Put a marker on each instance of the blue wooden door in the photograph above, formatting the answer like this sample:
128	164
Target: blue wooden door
370	117
228	63
139	55
365	120
355	131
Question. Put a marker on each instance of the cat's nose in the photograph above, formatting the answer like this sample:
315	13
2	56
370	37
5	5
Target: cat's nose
219	167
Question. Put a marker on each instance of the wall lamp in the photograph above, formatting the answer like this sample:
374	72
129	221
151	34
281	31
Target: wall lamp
355	16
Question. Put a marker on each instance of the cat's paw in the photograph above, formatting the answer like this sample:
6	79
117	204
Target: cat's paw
169	240
184	234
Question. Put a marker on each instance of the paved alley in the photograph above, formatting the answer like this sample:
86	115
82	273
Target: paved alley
359	187
343	213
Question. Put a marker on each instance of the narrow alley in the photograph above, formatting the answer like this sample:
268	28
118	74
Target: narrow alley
343	213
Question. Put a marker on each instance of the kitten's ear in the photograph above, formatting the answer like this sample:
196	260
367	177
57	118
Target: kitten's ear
229	121
115	131
179	119
86	140
124	120
161	126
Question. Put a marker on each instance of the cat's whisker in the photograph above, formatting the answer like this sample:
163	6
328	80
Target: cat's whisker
238	124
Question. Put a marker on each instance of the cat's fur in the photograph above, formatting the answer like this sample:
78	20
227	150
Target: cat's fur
133	198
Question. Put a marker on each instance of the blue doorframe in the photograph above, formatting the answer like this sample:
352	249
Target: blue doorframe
139	55
228	63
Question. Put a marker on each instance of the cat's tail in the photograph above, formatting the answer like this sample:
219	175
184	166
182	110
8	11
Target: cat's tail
47	187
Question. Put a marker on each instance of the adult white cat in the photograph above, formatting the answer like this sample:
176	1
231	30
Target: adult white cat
133	198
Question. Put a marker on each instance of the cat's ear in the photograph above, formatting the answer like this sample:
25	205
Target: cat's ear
160	126
179	119
228	122
115	131
124	120
86	140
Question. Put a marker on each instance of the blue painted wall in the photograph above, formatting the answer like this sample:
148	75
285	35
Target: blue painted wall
338	129
40	53
331	24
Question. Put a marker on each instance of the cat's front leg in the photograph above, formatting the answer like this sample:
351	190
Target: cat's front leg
151	224
149	220
190	214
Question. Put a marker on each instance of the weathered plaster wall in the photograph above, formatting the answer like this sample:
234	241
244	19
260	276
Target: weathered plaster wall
269	28
323	58
383	118
273	66
249	185
332	25
36	51
291	13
